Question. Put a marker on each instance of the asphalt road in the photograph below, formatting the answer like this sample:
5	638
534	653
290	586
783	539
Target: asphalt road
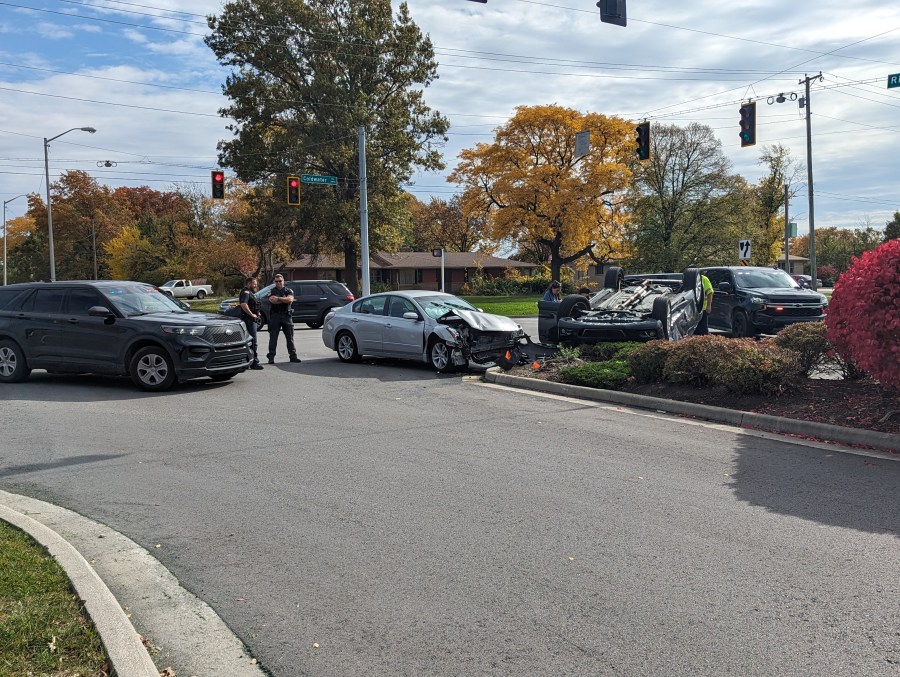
417	524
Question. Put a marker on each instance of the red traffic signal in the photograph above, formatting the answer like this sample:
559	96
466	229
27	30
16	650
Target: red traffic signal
218	184
293	190
642	132
748	124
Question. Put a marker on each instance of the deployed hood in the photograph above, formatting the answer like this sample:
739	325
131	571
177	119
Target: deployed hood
486	321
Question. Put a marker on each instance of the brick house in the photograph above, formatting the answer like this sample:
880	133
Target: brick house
408	270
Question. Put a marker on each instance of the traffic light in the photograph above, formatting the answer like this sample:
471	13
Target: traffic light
643	140
218	184
748	124
293	190
612	12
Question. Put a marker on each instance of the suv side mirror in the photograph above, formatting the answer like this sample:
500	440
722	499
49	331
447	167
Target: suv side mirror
100	311
725	287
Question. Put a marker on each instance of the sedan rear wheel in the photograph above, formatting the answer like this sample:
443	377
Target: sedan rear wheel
440	356
346	348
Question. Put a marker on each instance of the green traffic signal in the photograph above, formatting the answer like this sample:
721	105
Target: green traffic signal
748	124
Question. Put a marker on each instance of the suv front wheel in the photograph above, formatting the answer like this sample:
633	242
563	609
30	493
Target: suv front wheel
152	369
741	326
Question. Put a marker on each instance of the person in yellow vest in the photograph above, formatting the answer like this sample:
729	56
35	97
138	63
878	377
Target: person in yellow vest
703	326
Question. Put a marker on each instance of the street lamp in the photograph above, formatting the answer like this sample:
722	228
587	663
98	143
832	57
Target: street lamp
47	141
6	202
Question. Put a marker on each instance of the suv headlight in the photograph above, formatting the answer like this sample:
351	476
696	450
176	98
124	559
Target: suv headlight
757	300
196	330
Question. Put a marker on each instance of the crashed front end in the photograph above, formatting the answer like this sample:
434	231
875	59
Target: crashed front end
484	339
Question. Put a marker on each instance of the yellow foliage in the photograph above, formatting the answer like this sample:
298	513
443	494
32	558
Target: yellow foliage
532	187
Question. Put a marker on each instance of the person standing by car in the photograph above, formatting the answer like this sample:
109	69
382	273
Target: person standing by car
250	314
554	292
280	320
703	326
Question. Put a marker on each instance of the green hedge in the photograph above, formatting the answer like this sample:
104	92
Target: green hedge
610	375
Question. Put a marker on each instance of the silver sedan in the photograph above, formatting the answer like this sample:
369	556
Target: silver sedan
439	329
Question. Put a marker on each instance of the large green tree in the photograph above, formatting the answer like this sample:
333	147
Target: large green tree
688	207
306	76
892	228
766	230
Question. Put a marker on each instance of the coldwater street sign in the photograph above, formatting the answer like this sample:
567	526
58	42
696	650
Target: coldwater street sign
894	80
315	178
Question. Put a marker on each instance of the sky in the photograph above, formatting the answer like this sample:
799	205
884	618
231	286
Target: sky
139	72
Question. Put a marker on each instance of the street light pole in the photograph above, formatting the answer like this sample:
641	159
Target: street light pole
6	202
809	184
47	141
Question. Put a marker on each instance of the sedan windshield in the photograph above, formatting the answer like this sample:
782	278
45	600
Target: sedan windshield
438	306
138	299
760	279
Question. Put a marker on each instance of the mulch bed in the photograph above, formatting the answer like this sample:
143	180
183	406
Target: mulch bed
853	404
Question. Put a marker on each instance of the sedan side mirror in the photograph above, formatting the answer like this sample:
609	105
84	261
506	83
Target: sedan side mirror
411	316
725	287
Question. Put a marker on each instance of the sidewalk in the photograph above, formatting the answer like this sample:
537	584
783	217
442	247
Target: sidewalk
112	574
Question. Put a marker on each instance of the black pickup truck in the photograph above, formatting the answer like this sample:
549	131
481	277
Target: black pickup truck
116	328
751	300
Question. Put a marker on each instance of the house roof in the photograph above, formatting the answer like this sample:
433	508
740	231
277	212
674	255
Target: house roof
411	260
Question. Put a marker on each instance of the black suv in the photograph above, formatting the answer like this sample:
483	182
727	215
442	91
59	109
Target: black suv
117	328
313	300
750	300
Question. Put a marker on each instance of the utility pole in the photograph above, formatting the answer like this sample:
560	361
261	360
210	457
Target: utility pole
94	245
363	212
809	182
787	232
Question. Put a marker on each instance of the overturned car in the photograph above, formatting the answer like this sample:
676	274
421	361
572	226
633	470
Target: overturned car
439	329
627	308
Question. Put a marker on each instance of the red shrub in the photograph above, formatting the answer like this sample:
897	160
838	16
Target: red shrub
864	314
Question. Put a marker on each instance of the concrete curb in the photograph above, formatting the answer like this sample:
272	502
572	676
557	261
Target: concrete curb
123	645
741	419
184	631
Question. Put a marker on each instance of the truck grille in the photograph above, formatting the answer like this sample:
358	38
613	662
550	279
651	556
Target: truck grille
225	334
787	311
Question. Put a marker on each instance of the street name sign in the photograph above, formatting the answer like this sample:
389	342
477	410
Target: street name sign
321	180
894	80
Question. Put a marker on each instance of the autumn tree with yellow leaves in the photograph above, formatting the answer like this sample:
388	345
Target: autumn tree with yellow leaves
534	192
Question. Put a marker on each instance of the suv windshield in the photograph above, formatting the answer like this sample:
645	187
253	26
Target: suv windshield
135	299
438	306
759	279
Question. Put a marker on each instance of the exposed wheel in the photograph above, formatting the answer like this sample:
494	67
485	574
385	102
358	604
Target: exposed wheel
201	295
346	348
741	327
224	376
152	369
13	367
574	305
614	278
439	356
691	281
661	311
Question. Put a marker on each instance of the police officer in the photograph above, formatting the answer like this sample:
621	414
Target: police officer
280	320
250	314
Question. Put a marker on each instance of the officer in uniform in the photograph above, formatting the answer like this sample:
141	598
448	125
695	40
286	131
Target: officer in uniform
250	314
280	319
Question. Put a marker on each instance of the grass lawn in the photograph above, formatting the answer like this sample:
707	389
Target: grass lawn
499	305
506	305
44	629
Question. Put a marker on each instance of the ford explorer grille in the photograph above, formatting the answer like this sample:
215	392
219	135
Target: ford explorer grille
226	333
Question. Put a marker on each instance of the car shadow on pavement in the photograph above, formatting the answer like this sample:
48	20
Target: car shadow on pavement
375	368
839	489
25	468
43	387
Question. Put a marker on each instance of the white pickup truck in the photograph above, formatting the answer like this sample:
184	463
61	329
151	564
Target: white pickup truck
186	289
